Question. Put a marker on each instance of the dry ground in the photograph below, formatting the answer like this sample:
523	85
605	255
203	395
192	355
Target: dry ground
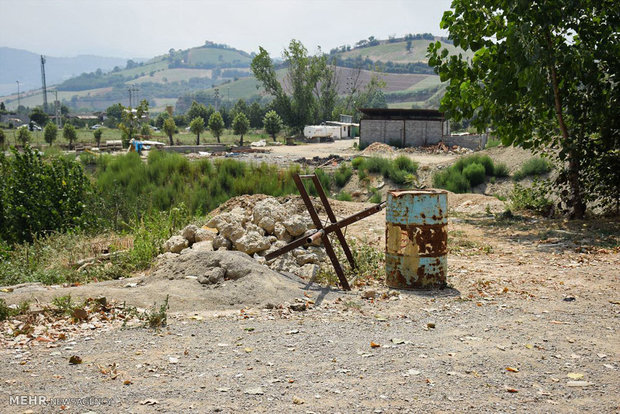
529	324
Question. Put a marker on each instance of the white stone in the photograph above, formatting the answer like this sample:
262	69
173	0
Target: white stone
252	242
175	244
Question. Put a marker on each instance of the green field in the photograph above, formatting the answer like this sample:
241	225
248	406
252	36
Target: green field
397	52
216	56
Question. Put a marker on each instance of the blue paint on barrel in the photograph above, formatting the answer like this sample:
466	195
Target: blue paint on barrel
416	239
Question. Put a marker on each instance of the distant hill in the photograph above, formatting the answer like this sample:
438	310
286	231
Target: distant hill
25	67
177	77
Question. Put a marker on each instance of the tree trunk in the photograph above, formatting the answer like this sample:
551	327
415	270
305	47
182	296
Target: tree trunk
576	204
218	138
170	138
274	137
197	139
241	141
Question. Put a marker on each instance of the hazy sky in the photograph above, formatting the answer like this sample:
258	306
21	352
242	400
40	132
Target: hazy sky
144	28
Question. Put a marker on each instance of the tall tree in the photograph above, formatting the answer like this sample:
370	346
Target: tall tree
272	124
197	126
50	132
241	126
39	116
304	76
200	110
543	76
169	128
216	125
255	115
69	133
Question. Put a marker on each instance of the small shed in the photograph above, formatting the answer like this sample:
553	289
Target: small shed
402	127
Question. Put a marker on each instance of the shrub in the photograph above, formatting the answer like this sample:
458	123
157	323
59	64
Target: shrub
342	175
534	198
405	164
344	196
452	180
533	167
475	174
38	197
500	170
492	143
357	162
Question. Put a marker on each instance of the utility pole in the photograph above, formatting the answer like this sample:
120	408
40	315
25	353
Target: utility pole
43	86
217	99
129	90
19	103
57	110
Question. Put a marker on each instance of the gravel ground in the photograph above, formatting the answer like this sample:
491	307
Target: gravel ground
529	324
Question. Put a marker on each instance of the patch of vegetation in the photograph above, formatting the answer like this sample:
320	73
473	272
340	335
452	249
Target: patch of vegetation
398	170
156	317
492	143
369	261
344	196
500	170
342	175
467	172
534	198
533	167
7	311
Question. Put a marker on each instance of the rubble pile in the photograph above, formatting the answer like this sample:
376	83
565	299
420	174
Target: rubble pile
378	147
257	231
439	148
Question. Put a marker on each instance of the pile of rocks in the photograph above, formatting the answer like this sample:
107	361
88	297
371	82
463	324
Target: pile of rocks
256	231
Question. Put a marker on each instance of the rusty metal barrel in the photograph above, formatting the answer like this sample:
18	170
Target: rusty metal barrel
416	239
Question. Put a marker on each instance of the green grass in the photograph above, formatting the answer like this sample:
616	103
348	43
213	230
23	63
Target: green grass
533	167
397	52
492	143
85	136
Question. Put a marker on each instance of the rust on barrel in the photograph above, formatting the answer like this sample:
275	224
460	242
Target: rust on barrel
416	239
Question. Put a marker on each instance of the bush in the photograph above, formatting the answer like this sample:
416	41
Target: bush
357	162
534	198
38	197
452	180
500	170
484	160
342	175
532	167
400	170
344	196
475	174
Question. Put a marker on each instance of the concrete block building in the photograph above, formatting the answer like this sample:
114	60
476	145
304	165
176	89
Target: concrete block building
402	127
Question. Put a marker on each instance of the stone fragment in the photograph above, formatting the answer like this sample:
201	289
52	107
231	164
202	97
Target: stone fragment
212	276
306	258
295	225
269	207
221	242
206	245
252	242
232	231
280	232
189	233
175	244
204	235
308	271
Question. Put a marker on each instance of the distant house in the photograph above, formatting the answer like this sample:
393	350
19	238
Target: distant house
412	128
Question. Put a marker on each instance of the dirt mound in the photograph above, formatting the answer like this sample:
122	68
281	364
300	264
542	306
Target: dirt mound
240	280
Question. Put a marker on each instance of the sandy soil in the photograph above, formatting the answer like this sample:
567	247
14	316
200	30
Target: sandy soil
529	324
